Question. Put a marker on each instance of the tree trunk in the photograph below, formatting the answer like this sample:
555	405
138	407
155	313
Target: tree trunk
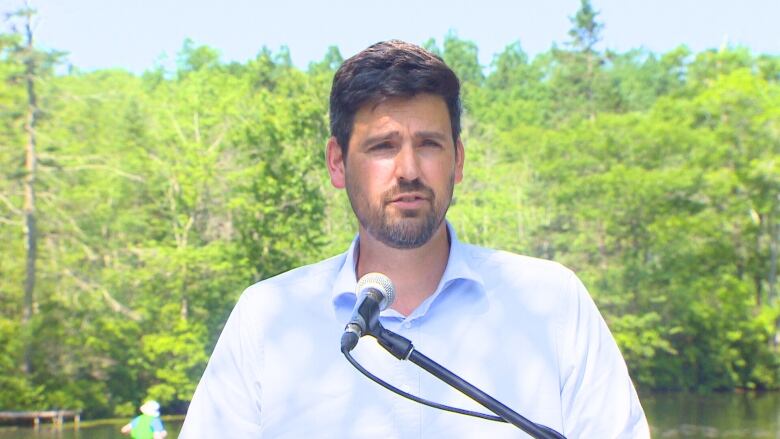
30	227
774	237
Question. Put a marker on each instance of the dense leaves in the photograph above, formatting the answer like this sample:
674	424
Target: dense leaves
162	196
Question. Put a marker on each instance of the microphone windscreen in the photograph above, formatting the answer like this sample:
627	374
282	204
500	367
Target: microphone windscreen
378	282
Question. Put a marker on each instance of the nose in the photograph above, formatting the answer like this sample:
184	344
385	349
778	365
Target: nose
407	166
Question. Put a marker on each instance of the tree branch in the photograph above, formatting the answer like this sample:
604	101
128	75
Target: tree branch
112	169
10	222
218	140
114	304
177	127
196	122
15	210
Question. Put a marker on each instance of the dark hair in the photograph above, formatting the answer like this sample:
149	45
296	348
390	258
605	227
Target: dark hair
389	69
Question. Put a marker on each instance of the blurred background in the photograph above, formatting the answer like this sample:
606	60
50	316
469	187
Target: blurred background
156	158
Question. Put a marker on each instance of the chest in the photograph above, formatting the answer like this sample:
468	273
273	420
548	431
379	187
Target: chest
309	388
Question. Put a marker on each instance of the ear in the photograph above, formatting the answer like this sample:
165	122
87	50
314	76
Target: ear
335	162
459	160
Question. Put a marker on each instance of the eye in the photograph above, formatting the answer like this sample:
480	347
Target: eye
381	146
431	143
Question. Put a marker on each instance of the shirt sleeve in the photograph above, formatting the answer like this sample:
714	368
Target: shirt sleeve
157	425
226	402
597	395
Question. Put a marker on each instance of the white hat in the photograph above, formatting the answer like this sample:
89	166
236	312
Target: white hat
151	408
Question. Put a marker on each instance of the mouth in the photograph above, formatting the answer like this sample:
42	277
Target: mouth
409	200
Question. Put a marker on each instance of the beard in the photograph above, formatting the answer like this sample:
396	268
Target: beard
407	229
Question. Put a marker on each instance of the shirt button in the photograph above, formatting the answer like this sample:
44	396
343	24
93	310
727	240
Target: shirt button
407	325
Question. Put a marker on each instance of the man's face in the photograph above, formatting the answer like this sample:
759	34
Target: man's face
401	166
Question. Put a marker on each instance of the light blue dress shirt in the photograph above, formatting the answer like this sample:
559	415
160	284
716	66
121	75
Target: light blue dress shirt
522	329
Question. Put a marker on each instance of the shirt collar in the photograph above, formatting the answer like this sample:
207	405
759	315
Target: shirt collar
458	268
346	279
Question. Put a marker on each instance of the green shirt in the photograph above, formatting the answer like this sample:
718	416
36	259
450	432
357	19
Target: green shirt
144	427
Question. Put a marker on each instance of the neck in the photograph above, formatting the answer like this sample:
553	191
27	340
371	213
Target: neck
415	272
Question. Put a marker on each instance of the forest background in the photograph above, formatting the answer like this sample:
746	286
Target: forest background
134	209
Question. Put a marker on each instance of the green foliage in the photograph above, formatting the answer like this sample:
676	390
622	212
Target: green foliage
586	31
192	58
173	358
462	57
659	214
162	196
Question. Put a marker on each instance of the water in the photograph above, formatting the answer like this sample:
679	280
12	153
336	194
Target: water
719	415
105	430
671	415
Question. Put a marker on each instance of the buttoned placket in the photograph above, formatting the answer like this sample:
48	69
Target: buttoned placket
408	414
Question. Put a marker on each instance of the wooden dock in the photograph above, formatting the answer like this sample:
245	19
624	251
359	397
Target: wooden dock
57	417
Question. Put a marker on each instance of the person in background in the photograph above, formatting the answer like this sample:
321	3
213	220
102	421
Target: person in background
148	424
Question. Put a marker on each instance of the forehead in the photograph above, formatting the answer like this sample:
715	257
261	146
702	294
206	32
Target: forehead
422	111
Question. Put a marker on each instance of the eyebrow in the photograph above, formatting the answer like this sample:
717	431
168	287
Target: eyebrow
431	135
390	135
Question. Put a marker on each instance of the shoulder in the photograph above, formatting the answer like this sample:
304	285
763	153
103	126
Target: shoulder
307	282
524	281
306	275
514	267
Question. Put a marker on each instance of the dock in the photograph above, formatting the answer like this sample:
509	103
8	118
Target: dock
57	417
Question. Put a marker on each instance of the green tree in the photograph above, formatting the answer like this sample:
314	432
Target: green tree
462	57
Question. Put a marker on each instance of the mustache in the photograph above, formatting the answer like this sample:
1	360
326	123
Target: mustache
405	186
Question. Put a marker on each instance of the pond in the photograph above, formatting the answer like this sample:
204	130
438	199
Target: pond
718	415
92	430
671	415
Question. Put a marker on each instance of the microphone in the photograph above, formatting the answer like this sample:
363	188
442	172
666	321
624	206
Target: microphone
375	293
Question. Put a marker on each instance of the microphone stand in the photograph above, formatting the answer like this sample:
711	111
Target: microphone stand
402	349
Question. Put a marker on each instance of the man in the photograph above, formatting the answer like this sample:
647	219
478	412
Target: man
522	329
148	424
